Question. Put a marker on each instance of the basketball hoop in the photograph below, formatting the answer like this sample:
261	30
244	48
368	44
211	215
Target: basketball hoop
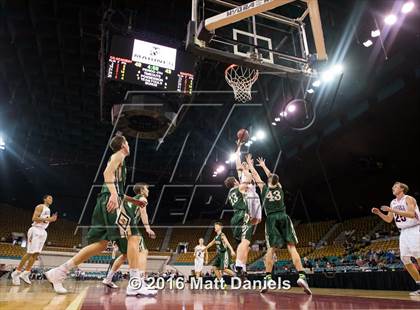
241	80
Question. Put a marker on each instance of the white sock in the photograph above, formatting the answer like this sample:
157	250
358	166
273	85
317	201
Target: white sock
26	272
16	272
69	265
134	273
142	274
239	263
109	276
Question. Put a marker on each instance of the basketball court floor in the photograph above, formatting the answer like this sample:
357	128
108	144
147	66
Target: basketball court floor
93	295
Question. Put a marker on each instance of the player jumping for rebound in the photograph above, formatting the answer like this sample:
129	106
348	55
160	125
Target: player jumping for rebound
405	212
240	222
279	228
200	254
222	262
37	235
110	222
252	198
142	192
247	210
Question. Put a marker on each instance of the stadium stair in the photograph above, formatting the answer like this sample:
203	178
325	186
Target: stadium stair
165	243
208	234
328	234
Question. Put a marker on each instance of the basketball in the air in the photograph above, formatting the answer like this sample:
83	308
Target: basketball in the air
243	135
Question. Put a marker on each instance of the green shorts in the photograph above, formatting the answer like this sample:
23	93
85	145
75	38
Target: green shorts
104	225
123	243
222	260
279	230
241	226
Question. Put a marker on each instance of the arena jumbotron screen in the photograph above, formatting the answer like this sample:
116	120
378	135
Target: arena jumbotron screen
150	64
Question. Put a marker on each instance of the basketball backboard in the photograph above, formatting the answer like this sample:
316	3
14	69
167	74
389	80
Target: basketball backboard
268	35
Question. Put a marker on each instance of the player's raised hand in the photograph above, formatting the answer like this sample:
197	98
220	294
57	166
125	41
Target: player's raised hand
249	159
261	161
112	203
151	233
375	211
386	208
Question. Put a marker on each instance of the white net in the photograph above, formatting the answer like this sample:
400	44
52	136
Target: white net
241	80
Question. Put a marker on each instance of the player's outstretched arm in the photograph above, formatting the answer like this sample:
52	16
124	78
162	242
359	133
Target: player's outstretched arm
145	220
239	167
261	163
387	218
410	213
254	172
209	245
226	241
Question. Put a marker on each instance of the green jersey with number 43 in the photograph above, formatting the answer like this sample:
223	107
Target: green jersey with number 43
273	199
236	199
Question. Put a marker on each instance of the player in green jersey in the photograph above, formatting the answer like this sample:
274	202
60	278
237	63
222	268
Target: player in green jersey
279	229
142	192
241	222
222	261
110	222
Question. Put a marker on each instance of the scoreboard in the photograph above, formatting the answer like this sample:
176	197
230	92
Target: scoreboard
150	64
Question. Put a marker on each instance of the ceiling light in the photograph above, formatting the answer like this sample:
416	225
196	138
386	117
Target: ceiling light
375	33
407	7
368	43
390	19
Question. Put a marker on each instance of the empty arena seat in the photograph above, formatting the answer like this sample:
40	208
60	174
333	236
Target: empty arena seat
11	251
329	250
188	235
283	254
155	244
188	258
382	245
312	232
358	226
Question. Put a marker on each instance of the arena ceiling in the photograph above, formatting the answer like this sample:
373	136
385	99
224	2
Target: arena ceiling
56	131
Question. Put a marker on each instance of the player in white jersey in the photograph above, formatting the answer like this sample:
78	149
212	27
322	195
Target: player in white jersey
252	198
200	253
405	212
37	235
254	213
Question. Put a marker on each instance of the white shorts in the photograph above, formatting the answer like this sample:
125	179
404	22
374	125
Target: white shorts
410	241
36	239
198	265
254	204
